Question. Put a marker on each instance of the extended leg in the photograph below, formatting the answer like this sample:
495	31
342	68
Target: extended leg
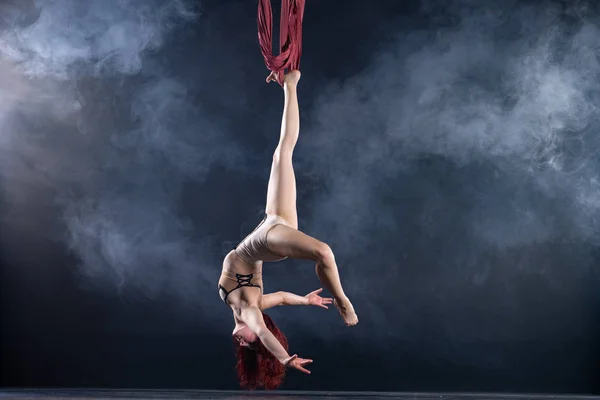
288	242
281	191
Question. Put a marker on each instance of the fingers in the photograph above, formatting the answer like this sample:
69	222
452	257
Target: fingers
325	301
302	363
304	370
316	300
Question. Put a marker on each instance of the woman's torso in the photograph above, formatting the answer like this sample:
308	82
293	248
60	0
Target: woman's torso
240	283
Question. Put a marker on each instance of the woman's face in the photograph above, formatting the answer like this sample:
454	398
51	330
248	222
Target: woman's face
245	337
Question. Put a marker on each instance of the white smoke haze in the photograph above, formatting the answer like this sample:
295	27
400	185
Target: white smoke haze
111	34
460	163
456	145
521	105
93	125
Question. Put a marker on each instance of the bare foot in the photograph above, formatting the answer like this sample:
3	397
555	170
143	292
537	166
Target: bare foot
346	311
291	78
272	77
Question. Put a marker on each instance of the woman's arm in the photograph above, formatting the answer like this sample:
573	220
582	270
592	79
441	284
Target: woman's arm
252	316
282	299
291	299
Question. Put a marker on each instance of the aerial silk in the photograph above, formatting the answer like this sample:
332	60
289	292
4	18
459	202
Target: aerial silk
290	40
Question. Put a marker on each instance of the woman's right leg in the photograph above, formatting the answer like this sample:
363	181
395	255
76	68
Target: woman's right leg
289	242
281	190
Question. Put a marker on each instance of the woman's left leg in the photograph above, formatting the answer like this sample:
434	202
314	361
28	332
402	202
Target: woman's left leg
287	242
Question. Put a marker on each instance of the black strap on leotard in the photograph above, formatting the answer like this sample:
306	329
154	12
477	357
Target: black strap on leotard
242	281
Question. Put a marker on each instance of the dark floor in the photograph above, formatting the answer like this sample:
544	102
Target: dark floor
74	394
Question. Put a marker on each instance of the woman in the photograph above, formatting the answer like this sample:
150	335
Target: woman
261	347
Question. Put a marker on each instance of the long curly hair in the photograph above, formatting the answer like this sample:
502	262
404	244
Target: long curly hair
256	366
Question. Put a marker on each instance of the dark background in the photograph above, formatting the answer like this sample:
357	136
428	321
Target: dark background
447	154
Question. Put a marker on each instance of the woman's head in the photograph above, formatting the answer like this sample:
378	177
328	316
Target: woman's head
244	336
256	366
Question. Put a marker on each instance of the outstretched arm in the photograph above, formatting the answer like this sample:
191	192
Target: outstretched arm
252	316
291	299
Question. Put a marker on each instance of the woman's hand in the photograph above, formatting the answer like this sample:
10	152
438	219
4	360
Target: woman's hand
297	363
315	300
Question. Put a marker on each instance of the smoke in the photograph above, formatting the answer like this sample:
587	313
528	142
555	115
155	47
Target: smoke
67	34
460	163
95	126
456	169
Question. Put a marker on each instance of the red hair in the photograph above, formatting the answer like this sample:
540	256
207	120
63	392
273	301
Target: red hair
256	366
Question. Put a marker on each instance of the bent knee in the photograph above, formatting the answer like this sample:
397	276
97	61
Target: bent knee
323	253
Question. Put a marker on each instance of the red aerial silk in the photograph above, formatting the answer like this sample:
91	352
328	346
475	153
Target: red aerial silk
290	41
